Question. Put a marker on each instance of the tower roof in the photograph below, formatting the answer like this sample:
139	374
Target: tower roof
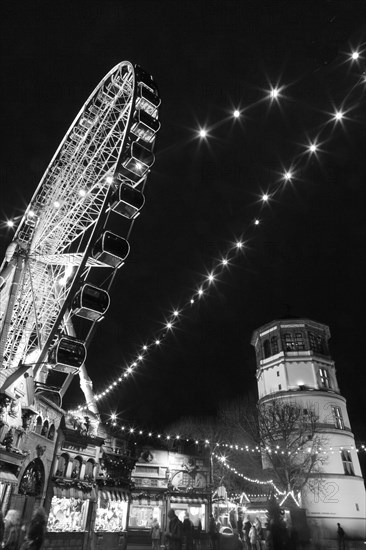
288	322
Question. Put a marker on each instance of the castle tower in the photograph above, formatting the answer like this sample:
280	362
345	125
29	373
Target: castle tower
293	363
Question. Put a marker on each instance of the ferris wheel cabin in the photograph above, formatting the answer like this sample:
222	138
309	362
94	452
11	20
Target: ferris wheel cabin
111	249
127	201
67	355
137	162
144	125
91	302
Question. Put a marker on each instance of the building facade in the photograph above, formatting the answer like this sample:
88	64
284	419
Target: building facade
173	476
294	365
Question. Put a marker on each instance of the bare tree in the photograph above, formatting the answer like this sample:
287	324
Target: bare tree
212	433
278	439
291	442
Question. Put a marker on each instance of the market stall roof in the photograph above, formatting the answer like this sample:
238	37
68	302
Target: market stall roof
73	492
190	500
114	494
8	477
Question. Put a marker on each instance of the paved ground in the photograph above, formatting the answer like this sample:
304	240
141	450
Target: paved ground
327	545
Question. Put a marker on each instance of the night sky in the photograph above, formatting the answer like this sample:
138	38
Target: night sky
307	256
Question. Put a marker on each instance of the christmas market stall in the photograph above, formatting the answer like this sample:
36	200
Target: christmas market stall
71	496
169	479
112	504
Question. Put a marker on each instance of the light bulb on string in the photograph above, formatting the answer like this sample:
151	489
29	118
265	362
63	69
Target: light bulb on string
288	175
338	115
202	133
355	55
211	278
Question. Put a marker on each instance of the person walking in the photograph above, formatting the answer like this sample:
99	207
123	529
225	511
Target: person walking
36	531
253	537
155	535
187	529
212	533
174	533
11	530
341	537
246	528
2	527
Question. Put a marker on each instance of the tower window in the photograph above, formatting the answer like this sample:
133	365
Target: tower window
338	418
289	343
316	342
274	345
299	341
347	463
324	378
279	386
266	348
278	373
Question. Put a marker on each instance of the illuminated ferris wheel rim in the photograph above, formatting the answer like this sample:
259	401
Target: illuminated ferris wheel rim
113	97
74	123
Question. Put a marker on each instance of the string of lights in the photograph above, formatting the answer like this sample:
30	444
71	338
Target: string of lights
285	176
235	447
223	461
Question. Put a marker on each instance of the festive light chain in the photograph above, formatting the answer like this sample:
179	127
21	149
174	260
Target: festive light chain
223	461
285	176
134	431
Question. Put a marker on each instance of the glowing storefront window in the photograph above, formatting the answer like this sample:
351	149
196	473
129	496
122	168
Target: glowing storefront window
142	516
196	513
111	515
67	514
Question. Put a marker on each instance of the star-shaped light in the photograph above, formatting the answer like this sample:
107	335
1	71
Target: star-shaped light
274	93
288	175
265	197
312	148
338	116
236	113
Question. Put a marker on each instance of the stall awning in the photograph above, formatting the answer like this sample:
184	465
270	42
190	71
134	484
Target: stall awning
72	492
8	477
188	500
114	494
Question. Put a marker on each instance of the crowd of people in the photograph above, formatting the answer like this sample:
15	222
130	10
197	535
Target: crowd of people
251	535
14	536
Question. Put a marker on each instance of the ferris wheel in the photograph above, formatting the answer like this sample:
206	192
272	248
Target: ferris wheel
98	171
